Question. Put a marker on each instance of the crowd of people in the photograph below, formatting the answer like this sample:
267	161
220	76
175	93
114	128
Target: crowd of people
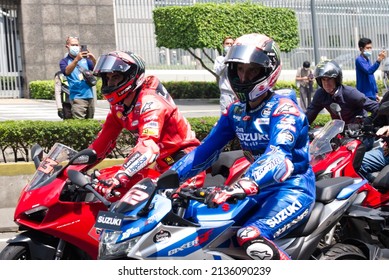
272	128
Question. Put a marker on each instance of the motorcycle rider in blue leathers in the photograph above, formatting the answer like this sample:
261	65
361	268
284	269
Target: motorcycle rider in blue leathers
273	133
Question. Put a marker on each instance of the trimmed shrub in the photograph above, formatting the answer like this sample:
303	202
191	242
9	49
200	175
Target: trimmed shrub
17	137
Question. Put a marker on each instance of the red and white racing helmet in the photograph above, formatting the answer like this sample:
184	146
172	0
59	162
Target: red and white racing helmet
131	65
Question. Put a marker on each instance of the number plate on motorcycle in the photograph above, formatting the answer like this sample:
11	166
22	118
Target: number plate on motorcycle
109	220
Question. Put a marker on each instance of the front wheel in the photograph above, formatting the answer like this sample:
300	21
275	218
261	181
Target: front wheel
342	252
15	252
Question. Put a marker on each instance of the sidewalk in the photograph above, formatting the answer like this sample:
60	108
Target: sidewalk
6	220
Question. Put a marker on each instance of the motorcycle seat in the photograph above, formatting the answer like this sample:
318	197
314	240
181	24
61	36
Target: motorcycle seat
225	161
328	189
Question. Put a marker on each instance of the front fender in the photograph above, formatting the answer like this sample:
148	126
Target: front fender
41	246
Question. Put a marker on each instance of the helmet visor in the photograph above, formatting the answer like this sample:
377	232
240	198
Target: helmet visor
247	54
109	64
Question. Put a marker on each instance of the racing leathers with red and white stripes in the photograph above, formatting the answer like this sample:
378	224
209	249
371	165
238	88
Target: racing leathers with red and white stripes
163	133
274	138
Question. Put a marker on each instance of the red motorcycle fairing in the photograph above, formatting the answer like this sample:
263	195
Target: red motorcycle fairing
50	204
344	161
374	198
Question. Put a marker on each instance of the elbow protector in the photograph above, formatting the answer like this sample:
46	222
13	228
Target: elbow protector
143	154
275	168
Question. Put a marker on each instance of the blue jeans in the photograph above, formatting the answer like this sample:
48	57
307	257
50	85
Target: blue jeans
373	161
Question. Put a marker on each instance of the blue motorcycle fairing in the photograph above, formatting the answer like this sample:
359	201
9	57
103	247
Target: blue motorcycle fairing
198	240
199	212
349	190
133	228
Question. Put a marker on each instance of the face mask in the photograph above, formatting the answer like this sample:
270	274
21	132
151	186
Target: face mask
226	48
367	54
74	50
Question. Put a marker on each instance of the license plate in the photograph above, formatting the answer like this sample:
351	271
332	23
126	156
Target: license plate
109	220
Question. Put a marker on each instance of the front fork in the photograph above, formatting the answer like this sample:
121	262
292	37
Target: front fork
60	249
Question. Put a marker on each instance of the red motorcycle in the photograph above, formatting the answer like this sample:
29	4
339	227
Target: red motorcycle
336	151
56	218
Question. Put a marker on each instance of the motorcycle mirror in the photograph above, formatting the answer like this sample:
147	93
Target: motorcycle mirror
77	178
335	108
168	180
87	156
384	108
36	154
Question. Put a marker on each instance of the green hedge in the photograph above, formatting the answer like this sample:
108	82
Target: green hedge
178	90
17	137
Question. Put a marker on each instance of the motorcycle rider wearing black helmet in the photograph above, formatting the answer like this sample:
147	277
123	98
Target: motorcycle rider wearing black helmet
273	133
352	102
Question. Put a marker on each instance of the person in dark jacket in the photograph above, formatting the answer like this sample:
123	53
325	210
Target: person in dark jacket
352	102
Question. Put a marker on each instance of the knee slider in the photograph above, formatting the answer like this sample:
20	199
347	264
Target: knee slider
261	249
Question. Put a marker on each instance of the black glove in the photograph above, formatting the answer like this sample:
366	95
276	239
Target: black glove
60	113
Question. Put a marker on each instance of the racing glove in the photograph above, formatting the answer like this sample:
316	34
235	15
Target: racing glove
108	188
230	194
60	113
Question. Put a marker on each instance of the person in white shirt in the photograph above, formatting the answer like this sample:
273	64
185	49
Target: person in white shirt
227	95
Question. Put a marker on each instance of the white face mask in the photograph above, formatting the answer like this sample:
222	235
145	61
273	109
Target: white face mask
74	50
367	54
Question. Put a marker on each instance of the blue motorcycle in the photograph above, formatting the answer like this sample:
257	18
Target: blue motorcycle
147	223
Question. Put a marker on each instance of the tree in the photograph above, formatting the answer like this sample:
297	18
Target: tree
204	26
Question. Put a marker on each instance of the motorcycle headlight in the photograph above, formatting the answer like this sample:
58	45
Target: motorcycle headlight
110	248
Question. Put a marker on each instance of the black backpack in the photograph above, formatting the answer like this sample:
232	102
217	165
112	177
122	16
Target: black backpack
64	87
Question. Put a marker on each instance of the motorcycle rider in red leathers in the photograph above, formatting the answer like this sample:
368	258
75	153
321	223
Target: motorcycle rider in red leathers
143	106
273	133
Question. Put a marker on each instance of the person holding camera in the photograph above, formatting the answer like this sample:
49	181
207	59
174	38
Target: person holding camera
365	68
72	66
304	80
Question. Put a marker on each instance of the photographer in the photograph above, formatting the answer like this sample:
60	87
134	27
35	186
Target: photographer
81	93
304	80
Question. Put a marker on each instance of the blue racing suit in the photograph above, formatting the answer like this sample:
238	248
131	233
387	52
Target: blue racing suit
274	138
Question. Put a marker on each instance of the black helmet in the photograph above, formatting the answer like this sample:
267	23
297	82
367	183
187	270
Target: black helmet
329	69
306	64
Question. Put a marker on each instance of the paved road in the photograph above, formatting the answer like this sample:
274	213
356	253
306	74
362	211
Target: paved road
29	109
4	236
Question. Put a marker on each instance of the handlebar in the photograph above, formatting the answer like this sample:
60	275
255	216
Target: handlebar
195	194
